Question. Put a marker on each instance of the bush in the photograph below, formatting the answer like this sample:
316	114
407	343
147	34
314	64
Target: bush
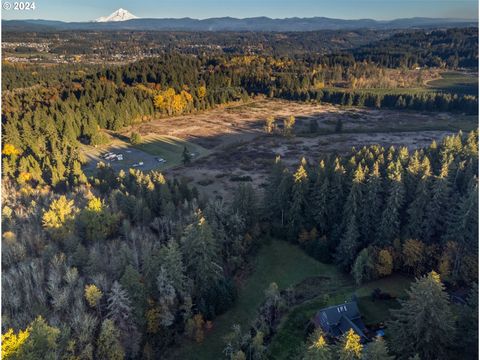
241	178
135	138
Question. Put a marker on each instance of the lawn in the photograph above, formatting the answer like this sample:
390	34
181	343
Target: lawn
169	148
277	261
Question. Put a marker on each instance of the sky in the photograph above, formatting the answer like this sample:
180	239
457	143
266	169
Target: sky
86	10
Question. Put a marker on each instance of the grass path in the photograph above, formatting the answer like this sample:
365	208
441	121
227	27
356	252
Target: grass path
279	262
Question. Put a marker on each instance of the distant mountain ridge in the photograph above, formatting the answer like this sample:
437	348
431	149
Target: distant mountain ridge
234	24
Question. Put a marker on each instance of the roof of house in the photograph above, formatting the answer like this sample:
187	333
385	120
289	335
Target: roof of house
341	318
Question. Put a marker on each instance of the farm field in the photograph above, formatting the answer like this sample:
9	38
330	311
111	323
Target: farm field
288	266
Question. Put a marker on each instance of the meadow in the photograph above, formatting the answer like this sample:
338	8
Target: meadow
290	267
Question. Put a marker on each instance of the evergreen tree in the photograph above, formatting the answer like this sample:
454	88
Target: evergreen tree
317	347
186	156
167	297
296	209
336	198
120	312
434	222
349	243
349	347
201	254
463	226
41	342
109	346
424	324
418	207
389	228
467	331
320	200
372	206
377	350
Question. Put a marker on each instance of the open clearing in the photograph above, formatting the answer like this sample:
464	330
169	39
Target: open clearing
456	83
230	143
288	265
152	148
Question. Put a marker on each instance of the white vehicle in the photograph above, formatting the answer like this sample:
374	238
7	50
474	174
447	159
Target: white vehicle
120	157
106	155
111	157
138	164
161	160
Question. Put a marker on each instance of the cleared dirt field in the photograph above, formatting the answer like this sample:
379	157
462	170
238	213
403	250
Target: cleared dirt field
230	144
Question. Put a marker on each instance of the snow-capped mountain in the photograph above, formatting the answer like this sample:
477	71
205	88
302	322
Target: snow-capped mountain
119	15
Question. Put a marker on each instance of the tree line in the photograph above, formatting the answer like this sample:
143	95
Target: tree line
380	210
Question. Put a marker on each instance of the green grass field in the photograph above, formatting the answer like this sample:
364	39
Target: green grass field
456	83
288	265
279	262
169	148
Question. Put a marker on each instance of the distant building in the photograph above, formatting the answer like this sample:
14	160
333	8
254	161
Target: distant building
337	320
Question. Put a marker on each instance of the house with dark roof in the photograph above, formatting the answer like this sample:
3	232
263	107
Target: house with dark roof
337	320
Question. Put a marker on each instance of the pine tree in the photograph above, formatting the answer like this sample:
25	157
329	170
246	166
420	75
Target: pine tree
434	222
336	198
418	207
109	346
172	262
201	254
467	331
133	284
377	350
186	156
41	342
272	203
167	297
424	324
390	222
317	347
320	199
463	226
120	311
296	209
349	243
349	347
372	206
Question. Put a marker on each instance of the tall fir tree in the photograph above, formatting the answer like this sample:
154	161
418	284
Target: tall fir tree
349	244
424	324
120	312
389	228
372	206
201	254
418	207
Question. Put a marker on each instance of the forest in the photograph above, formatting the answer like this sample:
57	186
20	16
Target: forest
135	264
